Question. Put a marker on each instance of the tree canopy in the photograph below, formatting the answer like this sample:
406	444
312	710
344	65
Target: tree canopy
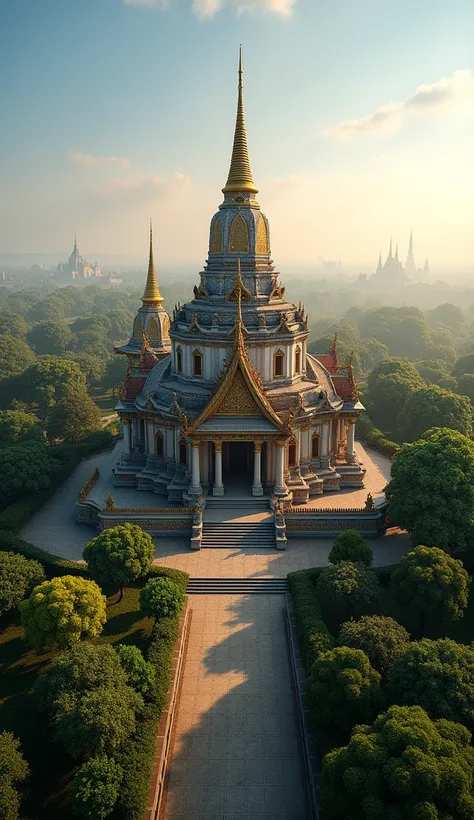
49	338
437	675
119	555
62	612
18	576
12	324
161	598
381	638
72	417
466	386
15	356
402	766
140	673
343	688
465	364
13	770
431	491
351	546
25	467
17	426
96	788
50	379
347	590
390	384
432	406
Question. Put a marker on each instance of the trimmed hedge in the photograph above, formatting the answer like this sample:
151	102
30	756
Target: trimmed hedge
374	437
53	565
314	634
137	757
68	456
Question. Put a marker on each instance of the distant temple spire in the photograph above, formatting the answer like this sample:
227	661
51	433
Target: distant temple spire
379	264
396	252
240	174
426	269
410	267
152	291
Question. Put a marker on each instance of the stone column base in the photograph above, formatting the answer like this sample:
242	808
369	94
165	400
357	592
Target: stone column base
258	490
218	490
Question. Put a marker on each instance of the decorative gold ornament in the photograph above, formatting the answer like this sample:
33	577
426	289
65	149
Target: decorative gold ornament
216	238
239	236
152	291
240	175
261	244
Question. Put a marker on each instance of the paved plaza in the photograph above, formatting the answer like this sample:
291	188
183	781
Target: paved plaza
236	750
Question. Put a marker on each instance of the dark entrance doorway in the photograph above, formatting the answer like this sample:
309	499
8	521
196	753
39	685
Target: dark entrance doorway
237	462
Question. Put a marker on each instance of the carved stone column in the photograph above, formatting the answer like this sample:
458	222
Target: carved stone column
350	452
218	488
280	487
257	488
195	487
127	436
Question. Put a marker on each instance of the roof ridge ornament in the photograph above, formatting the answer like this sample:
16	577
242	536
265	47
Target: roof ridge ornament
152	293
240	175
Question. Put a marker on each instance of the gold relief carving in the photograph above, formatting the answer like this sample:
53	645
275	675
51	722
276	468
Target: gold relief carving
218	446
238	401
239	236
216	238
166	327
138	328
261	244
195	444
152	330
258	446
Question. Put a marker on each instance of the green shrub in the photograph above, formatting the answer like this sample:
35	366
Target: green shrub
382	639
351	546
96	788
347	590
314	634
53	565
140	673
119	555
343	688
161	598
13	770
18	576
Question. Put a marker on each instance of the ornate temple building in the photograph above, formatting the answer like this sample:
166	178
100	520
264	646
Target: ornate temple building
392	274
224	396
76	267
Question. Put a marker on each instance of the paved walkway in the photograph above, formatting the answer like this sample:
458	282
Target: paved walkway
236	753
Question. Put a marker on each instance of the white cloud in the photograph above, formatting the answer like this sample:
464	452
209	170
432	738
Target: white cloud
209	8
91	161
438	96
141	187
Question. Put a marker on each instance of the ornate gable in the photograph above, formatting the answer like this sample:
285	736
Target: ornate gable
239	401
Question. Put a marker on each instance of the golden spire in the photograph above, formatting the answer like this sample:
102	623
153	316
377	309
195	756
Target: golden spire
240	175
152	291
239	288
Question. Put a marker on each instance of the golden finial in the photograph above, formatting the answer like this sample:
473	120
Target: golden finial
152	291
240	175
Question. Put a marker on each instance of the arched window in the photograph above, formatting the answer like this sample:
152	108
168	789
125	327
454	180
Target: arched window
183	451
138	330
278	363
179	360
197	363
292	452
298	360
315	445
152	330
159	445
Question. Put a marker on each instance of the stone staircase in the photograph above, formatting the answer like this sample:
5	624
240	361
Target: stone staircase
237	586
238	535
250	505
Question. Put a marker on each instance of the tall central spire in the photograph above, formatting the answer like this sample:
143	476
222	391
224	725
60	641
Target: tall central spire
152	291
240	175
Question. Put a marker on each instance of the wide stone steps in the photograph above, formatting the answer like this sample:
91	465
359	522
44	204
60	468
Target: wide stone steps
237	586
237	535
250	505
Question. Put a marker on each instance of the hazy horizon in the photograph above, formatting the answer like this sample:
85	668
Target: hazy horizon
359	120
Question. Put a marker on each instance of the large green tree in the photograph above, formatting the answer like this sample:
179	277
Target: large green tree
93	367
13	325
351	546
437	372
343	688
464	365
119	555
466	386
96	788
50	338
381	638
63	611
371	352
139	672
13	771
72	417
403	767
50	379
17	426
432	406
161	598
18	576
390	384
346	590
24	468
437	675
15	356
431	491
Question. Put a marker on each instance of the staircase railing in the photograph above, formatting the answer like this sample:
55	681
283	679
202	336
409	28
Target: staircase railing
281	541
196	534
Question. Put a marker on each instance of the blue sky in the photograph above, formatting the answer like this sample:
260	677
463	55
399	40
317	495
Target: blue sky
113	111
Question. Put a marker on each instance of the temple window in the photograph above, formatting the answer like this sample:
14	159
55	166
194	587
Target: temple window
298	360
138	332
292	454
278	362
183	452
239	236
197	363
179	360
152	330
159	445
315	445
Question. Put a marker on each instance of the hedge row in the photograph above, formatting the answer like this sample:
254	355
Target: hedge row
138	755
68	457
314	634
374	437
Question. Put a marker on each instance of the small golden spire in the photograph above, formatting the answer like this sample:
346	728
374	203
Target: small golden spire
152	291
240	175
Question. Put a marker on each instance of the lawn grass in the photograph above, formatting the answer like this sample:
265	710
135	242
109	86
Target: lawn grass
52	769
104	401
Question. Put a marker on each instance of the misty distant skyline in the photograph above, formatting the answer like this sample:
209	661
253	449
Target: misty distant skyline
360	116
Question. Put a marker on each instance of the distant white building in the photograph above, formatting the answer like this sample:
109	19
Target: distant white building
76	267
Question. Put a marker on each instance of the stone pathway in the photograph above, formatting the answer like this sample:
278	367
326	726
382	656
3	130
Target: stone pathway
236	754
